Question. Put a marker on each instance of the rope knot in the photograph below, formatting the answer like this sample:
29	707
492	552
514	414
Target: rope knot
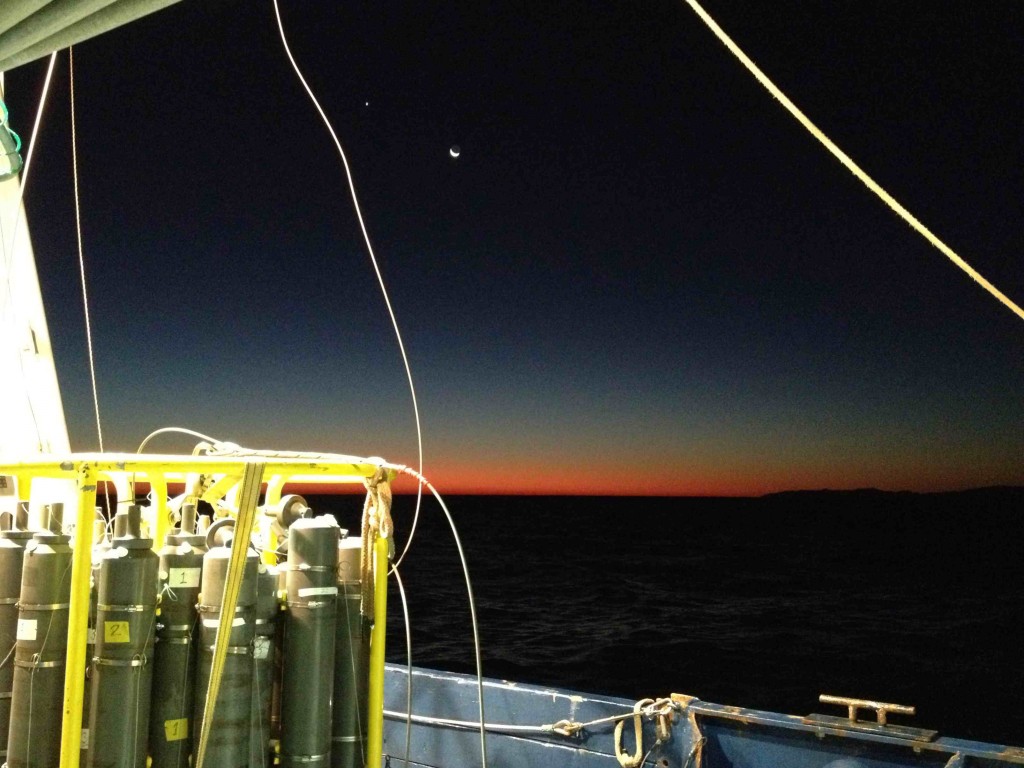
376	523
566	728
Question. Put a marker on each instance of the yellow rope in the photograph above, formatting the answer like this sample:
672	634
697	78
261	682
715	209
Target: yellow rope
846	160
376	523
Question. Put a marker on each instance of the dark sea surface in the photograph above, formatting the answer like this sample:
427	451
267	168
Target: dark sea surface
762	603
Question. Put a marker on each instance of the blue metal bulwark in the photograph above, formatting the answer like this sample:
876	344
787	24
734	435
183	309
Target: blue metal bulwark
703	735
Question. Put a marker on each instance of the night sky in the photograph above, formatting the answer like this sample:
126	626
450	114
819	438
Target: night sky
641	275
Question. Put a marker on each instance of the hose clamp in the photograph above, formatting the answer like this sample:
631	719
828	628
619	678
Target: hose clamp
43	606
137	661
37	664
305	758
234	650
303	568
135	608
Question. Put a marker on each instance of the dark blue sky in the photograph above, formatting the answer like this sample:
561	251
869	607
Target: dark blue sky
640	274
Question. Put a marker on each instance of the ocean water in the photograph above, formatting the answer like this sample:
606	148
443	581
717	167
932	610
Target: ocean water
762	603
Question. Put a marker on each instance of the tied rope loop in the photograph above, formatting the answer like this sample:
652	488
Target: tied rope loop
376	523
663	710
565	728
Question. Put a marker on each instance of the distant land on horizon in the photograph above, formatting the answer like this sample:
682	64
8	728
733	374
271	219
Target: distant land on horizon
990	490
1007	492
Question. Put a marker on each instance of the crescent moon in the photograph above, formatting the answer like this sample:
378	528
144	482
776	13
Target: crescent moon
454	151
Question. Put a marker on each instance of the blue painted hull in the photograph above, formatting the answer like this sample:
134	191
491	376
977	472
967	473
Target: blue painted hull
700	734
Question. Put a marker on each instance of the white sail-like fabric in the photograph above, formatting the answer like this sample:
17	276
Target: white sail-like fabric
31	412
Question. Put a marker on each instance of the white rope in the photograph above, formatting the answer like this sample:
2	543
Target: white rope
181	430
846	160
376	269
81	251
495	727
408	663
646	708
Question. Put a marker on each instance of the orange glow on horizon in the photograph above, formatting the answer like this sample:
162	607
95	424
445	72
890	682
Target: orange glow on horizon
537	478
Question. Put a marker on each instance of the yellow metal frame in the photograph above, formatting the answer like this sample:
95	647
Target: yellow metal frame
375	698
159	470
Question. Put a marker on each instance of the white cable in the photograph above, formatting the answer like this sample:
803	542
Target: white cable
81	251
355	676
180	430
408	662
472	606
376	269
846	160
495	727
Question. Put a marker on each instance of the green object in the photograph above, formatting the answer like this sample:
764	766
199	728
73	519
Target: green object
11	162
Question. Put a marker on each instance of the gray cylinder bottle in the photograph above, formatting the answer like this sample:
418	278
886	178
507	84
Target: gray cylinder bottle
101	544
122	669
39	657
12	556
309	642
267	610
177	631
351	663
228	741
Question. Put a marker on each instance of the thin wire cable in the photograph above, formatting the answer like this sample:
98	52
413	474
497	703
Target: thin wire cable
376	269
355	675
846	160
408	663
81	267
472	606
10	653
517	728
81	250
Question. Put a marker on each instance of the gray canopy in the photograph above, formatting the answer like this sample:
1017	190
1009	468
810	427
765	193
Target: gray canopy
31	29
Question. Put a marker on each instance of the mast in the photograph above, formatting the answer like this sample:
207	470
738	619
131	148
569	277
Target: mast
31	410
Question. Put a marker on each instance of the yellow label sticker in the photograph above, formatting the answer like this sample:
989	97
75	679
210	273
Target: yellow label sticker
176	730
116	632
